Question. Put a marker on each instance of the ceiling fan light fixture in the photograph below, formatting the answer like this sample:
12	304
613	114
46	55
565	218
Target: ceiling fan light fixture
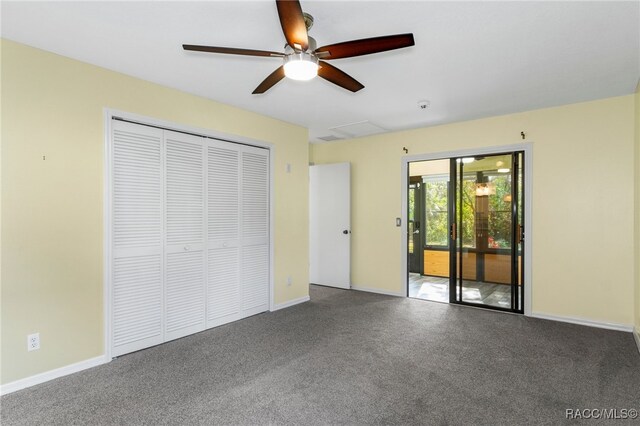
301	66
302	56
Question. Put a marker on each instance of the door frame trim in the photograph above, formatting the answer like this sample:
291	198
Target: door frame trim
109	114
527	147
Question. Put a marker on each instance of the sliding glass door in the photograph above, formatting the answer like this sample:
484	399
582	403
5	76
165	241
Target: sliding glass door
485	218
464	234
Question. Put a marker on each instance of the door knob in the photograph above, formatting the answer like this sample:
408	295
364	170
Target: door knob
346	232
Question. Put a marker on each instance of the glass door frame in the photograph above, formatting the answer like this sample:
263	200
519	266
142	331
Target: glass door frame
526	270
516	241
416	231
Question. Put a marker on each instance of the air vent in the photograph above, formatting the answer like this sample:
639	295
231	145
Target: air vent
329	138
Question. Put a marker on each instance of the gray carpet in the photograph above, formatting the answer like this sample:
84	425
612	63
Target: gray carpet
349	357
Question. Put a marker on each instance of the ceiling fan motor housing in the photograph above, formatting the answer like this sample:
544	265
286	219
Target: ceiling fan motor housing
312	46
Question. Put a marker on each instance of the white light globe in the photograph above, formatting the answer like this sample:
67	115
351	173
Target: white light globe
300	66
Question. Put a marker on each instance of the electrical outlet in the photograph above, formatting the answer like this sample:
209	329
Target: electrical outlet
289	281
33	342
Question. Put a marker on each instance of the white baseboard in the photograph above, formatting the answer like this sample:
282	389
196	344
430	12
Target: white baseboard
376	290
52	374
636	335
583	321
290	303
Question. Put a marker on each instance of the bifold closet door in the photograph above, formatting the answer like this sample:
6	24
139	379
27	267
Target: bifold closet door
185	238
223	232
254	228
137	265
190	241
238	232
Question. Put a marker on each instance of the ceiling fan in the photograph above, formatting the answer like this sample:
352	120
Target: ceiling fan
303	60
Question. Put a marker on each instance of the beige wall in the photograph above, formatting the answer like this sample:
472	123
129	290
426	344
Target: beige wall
52	221
583	180
637	212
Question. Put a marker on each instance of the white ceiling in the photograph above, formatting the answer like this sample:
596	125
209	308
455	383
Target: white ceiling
471	59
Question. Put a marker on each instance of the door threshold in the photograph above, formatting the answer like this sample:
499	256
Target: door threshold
485	308
428	300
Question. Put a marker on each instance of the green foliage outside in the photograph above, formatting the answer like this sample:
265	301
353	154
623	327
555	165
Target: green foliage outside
500	213
437	233
498	217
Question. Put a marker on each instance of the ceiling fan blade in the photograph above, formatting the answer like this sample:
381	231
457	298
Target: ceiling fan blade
338	77
365	46
232	51
292	22
270	81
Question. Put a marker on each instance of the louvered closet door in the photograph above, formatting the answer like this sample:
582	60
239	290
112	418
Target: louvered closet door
185	235
223	232
254	228
136	297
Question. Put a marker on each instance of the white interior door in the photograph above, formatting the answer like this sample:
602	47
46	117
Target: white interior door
330	225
